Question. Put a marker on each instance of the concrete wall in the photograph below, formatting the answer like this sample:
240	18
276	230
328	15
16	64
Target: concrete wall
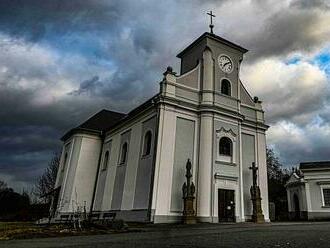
79	174
145	168
101	185
184	150
176	143
124	187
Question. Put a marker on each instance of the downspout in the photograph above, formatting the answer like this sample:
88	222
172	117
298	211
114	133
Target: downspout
96	178
154	164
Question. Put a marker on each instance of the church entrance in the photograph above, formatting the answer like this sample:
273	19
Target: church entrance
226	205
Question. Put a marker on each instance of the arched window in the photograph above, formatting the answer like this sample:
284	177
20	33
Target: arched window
225	87
147	143
123	153
225	146
65	161
106	160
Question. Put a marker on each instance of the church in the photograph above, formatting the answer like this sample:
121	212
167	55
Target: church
132	165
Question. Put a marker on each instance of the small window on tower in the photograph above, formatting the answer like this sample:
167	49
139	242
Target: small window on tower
225	146
225	87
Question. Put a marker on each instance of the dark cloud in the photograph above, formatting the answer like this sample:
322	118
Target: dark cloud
33	19
62	61
308	4
289	31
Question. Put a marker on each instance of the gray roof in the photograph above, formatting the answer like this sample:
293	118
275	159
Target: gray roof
97	124
315	165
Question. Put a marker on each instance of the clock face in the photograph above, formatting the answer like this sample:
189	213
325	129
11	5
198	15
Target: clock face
225	63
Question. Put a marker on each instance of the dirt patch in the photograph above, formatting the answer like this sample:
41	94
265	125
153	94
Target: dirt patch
27	230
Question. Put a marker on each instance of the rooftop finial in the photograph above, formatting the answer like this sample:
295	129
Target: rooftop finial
211	17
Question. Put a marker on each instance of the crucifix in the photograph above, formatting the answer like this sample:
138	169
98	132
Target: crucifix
257	215
211	17
254	169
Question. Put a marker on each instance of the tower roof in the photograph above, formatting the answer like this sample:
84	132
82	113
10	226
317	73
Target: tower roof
214	37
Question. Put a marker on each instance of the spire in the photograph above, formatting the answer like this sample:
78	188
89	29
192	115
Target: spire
211	18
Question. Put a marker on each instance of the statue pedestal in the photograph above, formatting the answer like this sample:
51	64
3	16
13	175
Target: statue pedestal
188	190
189	216
257	215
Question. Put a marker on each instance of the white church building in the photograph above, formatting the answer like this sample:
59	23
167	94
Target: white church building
133	164
308	191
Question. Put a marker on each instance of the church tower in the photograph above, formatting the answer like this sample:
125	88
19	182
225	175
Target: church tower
230	126
220	64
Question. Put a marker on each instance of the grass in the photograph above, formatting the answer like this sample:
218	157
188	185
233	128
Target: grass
26	230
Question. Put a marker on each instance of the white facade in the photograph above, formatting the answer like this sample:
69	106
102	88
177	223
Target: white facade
205	115
308	192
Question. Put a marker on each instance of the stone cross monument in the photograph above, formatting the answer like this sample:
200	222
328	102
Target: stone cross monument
188	190
257	215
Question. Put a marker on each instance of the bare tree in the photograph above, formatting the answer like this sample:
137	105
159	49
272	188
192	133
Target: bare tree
46	182
3	185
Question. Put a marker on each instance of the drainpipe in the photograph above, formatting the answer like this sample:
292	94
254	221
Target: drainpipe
96	178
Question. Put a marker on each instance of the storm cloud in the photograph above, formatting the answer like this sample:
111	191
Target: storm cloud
62	61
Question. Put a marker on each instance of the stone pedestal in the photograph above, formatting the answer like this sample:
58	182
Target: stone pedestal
189	215
188	189
257	215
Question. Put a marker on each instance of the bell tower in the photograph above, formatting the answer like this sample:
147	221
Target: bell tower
217	54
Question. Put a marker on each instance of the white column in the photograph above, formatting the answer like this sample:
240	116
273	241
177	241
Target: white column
204	199
262	166
308	197
241	189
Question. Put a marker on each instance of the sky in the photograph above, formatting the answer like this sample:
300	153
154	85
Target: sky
62	61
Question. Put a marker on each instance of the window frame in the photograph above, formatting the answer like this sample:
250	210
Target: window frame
230	87
146	152
123	159
325	187
230	148
223	159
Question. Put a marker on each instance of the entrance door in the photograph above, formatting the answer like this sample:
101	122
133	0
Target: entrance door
226	205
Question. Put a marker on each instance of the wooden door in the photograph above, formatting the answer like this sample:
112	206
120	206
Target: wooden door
226	205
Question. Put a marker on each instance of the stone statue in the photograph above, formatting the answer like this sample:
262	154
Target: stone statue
188	190
257	215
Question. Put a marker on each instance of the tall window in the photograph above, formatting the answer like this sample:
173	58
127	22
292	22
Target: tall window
326	197
123	153
225	146
147	143
225	87
65	161
106	160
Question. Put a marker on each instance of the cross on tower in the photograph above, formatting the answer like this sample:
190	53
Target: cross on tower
254	169
211	17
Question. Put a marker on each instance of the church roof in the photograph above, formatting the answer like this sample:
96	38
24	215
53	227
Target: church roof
102	120
214	37
315	165
97	124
